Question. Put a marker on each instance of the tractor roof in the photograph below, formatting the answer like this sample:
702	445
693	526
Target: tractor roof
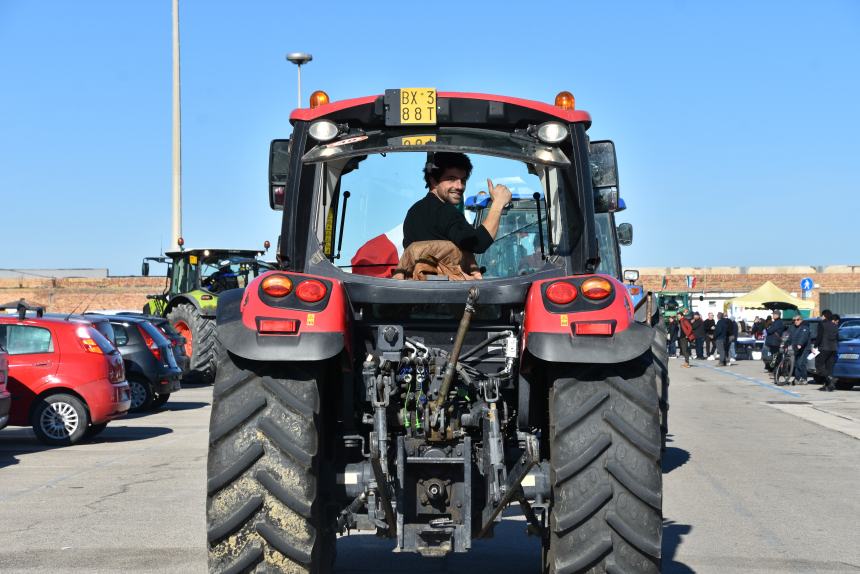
454	108
215	252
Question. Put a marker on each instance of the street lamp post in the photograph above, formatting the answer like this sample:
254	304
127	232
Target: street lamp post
299	59
176	227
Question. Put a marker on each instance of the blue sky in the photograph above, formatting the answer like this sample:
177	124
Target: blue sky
736	123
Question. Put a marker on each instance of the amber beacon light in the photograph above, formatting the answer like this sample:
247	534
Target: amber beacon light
565	100
320	98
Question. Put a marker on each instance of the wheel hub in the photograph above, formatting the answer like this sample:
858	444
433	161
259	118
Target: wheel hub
185	331
60	420
138	394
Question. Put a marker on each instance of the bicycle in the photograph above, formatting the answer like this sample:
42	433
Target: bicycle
783	372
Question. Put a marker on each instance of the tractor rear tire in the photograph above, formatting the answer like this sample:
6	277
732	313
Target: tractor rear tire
661	366
204	344
606	509
263	512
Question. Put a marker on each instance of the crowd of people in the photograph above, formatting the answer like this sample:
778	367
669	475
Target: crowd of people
715	339
711	338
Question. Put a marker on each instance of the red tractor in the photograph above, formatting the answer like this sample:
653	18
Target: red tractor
347	398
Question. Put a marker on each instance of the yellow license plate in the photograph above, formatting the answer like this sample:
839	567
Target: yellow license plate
410	106
417	140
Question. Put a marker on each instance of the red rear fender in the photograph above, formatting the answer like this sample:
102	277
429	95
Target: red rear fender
258	326
583	330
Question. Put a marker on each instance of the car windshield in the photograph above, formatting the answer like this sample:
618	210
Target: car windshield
383	180
849	332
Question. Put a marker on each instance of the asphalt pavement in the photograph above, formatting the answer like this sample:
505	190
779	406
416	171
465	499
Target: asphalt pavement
757	478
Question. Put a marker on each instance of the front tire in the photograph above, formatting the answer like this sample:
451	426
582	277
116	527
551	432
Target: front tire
262	508
606	512
60	420
201	345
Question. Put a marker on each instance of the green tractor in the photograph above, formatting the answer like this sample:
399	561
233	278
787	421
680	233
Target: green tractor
195	278
670	303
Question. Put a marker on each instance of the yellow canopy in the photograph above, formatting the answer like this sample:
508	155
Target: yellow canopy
768	293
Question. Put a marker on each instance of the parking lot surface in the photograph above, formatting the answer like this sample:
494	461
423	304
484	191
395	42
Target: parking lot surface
757	478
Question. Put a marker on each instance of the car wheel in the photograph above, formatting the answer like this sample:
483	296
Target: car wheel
95	430
60	419
160	399
141	395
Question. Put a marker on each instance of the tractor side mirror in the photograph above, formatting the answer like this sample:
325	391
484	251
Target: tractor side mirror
144	269
279	169
606	200
604	167
625	234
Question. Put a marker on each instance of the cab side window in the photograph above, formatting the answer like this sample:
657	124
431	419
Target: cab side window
25	339
121	335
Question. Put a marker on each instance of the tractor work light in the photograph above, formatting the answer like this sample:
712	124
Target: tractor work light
561	292
551	132
311	291
565	100
319	98
596	288
323	130
277	285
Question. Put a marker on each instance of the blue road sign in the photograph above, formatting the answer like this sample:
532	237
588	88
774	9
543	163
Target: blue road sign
806	284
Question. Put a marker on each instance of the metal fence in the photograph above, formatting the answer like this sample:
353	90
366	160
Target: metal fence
841	303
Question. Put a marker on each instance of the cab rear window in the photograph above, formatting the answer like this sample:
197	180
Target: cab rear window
26	339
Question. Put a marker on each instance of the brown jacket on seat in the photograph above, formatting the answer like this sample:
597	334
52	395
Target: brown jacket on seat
436	257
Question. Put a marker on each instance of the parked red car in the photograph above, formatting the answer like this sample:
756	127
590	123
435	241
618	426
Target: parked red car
5	397
66	379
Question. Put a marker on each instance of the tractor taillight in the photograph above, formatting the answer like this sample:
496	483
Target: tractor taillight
88	342
561	292
311	291
277	285
596	288
150	343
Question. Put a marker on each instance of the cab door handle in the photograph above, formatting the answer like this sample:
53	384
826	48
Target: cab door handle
42	364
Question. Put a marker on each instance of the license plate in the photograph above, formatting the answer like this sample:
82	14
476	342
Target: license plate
849	356
417	140
410	106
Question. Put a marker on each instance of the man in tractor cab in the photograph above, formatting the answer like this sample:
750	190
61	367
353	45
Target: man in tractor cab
435	218
224	278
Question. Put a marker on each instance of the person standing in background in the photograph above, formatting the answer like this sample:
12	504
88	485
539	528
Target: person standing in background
828	335
721	335
672	337
699	334
710	327
685	336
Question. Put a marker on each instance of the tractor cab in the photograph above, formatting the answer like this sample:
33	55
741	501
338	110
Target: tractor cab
209	271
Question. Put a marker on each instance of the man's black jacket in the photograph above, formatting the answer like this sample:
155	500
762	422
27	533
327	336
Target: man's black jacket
774	333
828	336
431	218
